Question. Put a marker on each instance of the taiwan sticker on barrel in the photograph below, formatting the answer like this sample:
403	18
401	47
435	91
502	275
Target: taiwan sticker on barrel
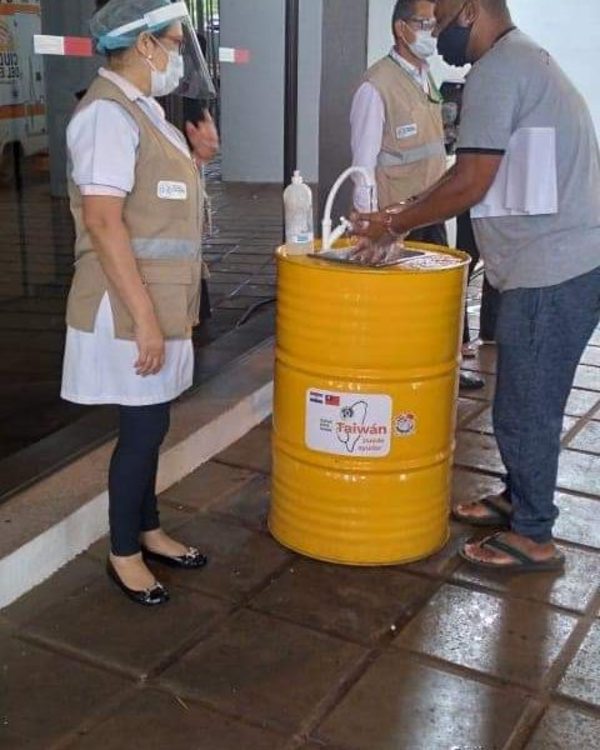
348	424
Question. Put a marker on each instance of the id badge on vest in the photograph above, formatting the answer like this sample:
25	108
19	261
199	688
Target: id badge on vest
172	191
407	131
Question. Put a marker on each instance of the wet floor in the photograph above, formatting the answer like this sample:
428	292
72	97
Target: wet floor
265	650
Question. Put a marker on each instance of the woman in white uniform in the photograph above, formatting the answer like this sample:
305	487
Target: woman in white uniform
137	203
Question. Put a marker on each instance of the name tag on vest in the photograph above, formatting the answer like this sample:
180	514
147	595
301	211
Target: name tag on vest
407	131
172	191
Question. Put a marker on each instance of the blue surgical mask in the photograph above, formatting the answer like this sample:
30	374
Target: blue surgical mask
163	83
424	46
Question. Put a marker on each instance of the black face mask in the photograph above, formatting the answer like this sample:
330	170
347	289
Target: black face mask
453	42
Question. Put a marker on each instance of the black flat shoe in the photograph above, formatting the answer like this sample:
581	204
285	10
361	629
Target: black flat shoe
192	560
151	597
470	382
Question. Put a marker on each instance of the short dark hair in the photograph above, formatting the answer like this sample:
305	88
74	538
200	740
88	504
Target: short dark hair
404	9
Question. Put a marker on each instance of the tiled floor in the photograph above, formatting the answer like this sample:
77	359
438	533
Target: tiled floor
265	650
36	255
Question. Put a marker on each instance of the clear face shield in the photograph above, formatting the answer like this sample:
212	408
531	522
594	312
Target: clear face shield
180	38
196	82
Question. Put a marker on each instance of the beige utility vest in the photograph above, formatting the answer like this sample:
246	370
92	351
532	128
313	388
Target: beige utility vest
413	156
163	215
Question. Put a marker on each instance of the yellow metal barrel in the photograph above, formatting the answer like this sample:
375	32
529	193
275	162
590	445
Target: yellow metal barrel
366	383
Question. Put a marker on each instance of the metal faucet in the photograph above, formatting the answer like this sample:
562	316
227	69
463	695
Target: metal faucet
329	236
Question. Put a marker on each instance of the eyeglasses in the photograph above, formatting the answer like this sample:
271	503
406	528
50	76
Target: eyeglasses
422	24
175	43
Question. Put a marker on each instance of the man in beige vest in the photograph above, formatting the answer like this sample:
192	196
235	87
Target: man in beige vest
397	129
396	118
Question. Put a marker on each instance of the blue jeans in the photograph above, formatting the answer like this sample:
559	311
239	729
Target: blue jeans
541	335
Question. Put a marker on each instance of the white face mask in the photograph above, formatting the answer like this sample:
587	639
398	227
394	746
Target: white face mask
424	46
163	83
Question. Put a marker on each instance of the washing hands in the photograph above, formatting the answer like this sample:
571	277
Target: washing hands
378	243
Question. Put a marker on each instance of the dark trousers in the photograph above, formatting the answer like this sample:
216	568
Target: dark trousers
132	475
490	297
541	336
434	235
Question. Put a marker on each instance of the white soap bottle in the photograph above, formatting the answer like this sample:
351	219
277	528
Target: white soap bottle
298	208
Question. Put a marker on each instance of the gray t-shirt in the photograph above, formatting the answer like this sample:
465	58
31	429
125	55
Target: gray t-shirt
518	85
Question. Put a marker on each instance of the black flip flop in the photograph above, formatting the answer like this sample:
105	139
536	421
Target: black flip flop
499	515
523	562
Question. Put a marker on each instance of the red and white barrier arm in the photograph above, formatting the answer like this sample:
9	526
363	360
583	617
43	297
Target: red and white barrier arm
65	46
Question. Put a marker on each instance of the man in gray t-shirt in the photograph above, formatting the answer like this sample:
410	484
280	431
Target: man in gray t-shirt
516	87
528	168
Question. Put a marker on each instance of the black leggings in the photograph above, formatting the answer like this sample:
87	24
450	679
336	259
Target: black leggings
132	475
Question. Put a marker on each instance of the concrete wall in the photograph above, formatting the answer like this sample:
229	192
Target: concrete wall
569	32
253	95
64	76
309	87
344	59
